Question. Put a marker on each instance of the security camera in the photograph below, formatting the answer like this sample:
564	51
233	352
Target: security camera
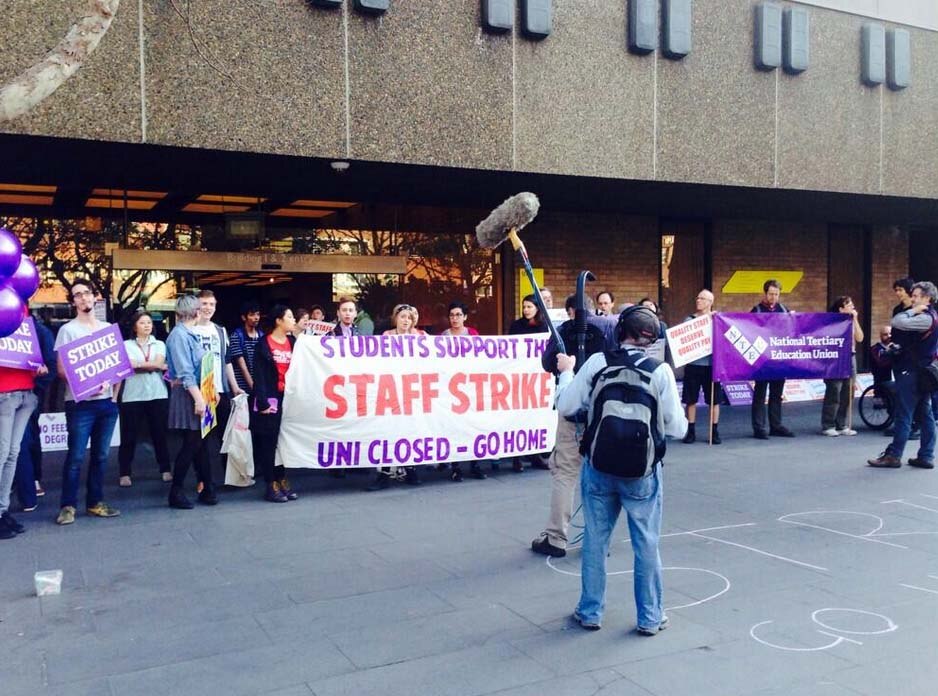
339	167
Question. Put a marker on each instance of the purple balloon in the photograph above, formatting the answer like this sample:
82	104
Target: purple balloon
12	310
25	280
11	251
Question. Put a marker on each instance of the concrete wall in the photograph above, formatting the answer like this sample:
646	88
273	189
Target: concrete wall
424	85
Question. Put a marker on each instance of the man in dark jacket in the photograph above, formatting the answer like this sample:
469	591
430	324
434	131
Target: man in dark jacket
565	460
916	332
772	290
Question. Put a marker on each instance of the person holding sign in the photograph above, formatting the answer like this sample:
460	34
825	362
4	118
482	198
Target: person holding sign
699	375
93	418
772	290
404	318
838	393
184	354
271	362
143	397
17	403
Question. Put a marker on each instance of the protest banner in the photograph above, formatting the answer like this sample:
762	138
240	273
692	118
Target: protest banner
94	360
53	432
369	401
21	350
691	340
778	345
207	387
320	328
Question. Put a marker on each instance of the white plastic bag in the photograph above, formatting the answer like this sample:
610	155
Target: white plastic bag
236	443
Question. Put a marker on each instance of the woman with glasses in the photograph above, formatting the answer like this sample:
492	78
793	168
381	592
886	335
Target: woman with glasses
457	321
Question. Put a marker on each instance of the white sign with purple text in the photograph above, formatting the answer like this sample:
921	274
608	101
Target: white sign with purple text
401	400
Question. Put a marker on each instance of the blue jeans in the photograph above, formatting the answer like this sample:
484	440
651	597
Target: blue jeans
15	409
912	406
603	497
28	463
94	421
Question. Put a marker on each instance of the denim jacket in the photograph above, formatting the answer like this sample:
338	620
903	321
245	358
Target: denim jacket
184	356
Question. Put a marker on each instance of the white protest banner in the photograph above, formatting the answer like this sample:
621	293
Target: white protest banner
53	432
368	401
691	340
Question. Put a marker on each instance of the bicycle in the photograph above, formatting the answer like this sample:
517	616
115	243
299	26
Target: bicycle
877	406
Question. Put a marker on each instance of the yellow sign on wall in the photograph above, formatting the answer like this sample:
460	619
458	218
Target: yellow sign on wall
751	282
524	285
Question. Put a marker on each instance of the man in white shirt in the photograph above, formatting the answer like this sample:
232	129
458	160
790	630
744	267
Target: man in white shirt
92	419
604	495
215	341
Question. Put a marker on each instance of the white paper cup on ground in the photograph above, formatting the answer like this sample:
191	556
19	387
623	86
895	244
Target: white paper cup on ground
48	582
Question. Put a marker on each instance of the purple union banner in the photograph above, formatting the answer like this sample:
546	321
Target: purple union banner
781	346
93	360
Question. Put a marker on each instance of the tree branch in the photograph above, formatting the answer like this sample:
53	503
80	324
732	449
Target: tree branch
42	79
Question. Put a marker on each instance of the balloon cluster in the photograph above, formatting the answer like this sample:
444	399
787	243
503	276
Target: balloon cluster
19	279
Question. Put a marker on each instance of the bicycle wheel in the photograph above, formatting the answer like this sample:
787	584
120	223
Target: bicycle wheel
876	408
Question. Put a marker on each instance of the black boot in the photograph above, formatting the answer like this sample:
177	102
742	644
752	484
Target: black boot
178	499
716	435
691	435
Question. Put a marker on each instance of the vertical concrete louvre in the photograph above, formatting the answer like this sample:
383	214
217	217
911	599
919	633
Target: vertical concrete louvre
677	16
898	58
643	26
796	41
768	38
537	18
873	39
498	16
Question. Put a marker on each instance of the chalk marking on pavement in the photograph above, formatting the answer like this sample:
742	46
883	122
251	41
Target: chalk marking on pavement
862	537
724	590
916	587
890	624
752	632
912	505
759	551
709	529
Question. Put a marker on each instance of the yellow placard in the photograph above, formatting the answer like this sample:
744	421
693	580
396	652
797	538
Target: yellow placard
524	285
751	282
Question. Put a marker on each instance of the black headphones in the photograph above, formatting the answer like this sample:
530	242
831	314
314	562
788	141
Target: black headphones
622	331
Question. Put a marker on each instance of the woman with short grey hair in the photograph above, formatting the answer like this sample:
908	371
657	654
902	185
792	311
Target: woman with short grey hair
186	405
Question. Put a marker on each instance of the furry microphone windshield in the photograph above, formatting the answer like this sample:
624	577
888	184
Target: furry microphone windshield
510	216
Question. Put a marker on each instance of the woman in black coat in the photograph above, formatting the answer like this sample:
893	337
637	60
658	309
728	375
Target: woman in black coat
272	359
531	321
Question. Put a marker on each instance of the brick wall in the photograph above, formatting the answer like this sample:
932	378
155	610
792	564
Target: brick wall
780	246
622	251
890	261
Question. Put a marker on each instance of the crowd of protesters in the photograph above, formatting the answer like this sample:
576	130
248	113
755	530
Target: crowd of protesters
164	393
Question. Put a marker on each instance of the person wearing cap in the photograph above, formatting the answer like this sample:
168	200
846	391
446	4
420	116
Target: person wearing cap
604	496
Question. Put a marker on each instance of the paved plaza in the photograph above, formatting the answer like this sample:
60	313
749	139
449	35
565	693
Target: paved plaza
791	569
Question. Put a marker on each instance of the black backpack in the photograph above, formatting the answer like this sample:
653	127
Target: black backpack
622	437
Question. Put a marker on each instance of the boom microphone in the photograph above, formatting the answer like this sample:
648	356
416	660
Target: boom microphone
503	223
510	216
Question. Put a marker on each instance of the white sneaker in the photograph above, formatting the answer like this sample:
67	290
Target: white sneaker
125	482
832	432
847	431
